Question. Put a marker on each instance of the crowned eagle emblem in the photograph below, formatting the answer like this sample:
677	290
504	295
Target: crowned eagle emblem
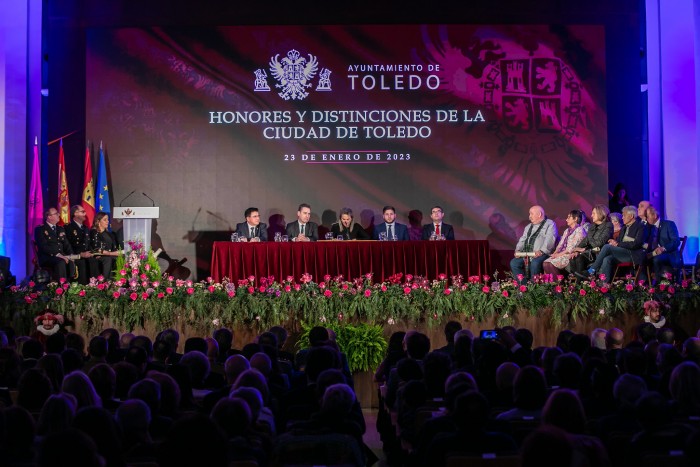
293	74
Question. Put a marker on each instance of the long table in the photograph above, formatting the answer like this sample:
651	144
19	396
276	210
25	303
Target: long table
350	259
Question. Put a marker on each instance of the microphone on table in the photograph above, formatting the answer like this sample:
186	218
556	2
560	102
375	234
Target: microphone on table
124	199
144	194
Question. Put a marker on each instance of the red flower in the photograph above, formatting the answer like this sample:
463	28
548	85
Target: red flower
327	293
190	290
62	280
211	289
557	289
261	289
662	287
629	287
59	291
407	290
116	294
582	292
31	284
560	277
99	287
447	291
81	293
327	277
409	277
383	288
523	288
251	290
505	293
297	287
169	290
28	299
345	287
671	290
144	296
603	290
287	288
133	296
232	293
161	295
442	277
368	293
485	289
651	289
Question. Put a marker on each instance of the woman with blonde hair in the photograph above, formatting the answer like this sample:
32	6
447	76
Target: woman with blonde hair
599	232
346	227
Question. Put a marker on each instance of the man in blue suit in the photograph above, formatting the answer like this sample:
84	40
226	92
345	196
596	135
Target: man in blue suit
437	227
252	229
665	246
393	230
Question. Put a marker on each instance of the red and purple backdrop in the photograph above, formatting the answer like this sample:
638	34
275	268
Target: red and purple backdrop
483	120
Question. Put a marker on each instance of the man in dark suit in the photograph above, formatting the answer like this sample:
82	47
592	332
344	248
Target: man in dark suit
392	229
79	238
437	227
252	229
302	230
632	245
665	245
53	247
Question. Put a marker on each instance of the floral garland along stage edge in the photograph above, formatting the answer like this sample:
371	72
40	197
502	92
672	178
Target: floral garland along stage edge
139	295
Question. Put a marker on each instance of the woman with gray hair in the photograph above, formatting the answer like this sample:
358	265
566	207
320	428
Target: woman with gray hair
616	219
346	227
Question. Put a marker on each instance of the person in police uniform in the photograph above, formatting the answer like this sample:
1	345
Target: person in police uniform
53	248
79	238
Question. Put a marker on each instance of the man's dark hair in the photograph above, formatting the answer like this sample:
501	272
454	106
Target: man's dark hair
646	332
224	337
386	208
665	336
196	343
281	334
451	328
524	337
303	205
250	211
318	335
268	338
417	345
143	342
98	347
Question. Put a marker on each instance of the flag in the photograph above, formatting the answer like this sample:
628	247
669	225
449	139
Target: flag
35	216
63	201
103	203
88	201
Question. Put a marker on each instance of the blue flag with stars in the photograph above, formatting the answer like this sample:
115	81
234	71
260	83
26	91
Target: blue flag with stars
103	202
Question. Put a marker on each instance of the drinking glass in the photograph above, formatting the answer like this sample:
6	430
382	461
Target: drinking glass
329	235
442	237
278	236
340	237
433	237
382	236
285	238
234	237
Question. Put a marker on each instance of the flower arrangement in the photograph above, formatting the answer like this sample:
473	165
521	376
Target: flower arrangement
139	295
137	264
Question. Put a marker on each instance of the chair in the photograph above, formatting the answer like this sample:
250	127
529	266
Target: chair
636	268
483	460
327	449
671	459
35	261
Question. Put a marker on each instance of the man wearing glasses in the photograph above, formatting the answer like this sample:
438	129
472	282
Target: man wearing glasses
79	238
53	247
437	230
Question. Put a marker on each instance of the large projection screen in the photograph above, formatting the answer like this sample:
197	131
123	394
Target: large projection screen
483	120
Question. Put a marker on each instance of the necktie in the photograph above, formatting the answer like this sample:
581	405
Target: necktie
301	229
390	232
437	229
252	232
53	228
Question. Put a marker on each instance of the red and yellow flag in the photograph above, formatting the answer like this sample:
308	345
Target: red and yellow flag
88	201
63	201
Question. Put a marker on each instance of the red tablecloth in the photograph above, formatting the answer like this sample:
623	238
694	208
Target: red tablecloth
350	259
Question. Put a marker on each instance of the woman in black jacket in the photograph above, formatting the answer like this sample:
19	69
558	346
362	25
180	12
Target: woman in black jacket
599	233
347	228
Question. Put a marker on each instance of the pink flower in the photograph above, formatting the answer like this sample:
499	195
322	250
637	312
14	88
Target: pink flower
340	316
485	289
505	293
261	289
134	271
383	288
59	291
81	293
486	277
684	284
28	299
189	283
523	288
442	277
582	292
560	277
190	290
62	280
211	289
251	290
327	277
100	278
671	290
662	287
557	289
520	277
100	287
156	284
171	278
251	278
122	272
344	286
116	294
147	267
169	290
409	277
447	291
629	287
407	290
603	290
602	277
160	295
231	293
651	289
287	288
31	284
144	284
327	293
66	286
368	293
133	296
297	287
144	296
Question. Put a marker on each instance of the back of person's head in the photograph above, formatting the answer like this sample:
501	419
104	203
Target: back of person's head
137	356
684	387
169	393
396	341
56	414
126	374
112	336
338	400
460	377
199	366
328	378
598	338
56	343
413	395
234	366
563	409
162	351
198	344
72	360
653	410
98	347
232	415
19	432
254	379
252	397
212	349
172	337
567	369
147	390
52	366
454	391
529	388
505	376
614	339
564	338
79	385
224	337
193	440
451	327
628	389
100	425
319	359
268	338
691	349
632	360
417	345
665	336
133	417
33	389
53	450
10	367
75	341
281	335
143	342
547	446
104	380
261	362
579	344
524	337
318	335
471	411
463	351
32	348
